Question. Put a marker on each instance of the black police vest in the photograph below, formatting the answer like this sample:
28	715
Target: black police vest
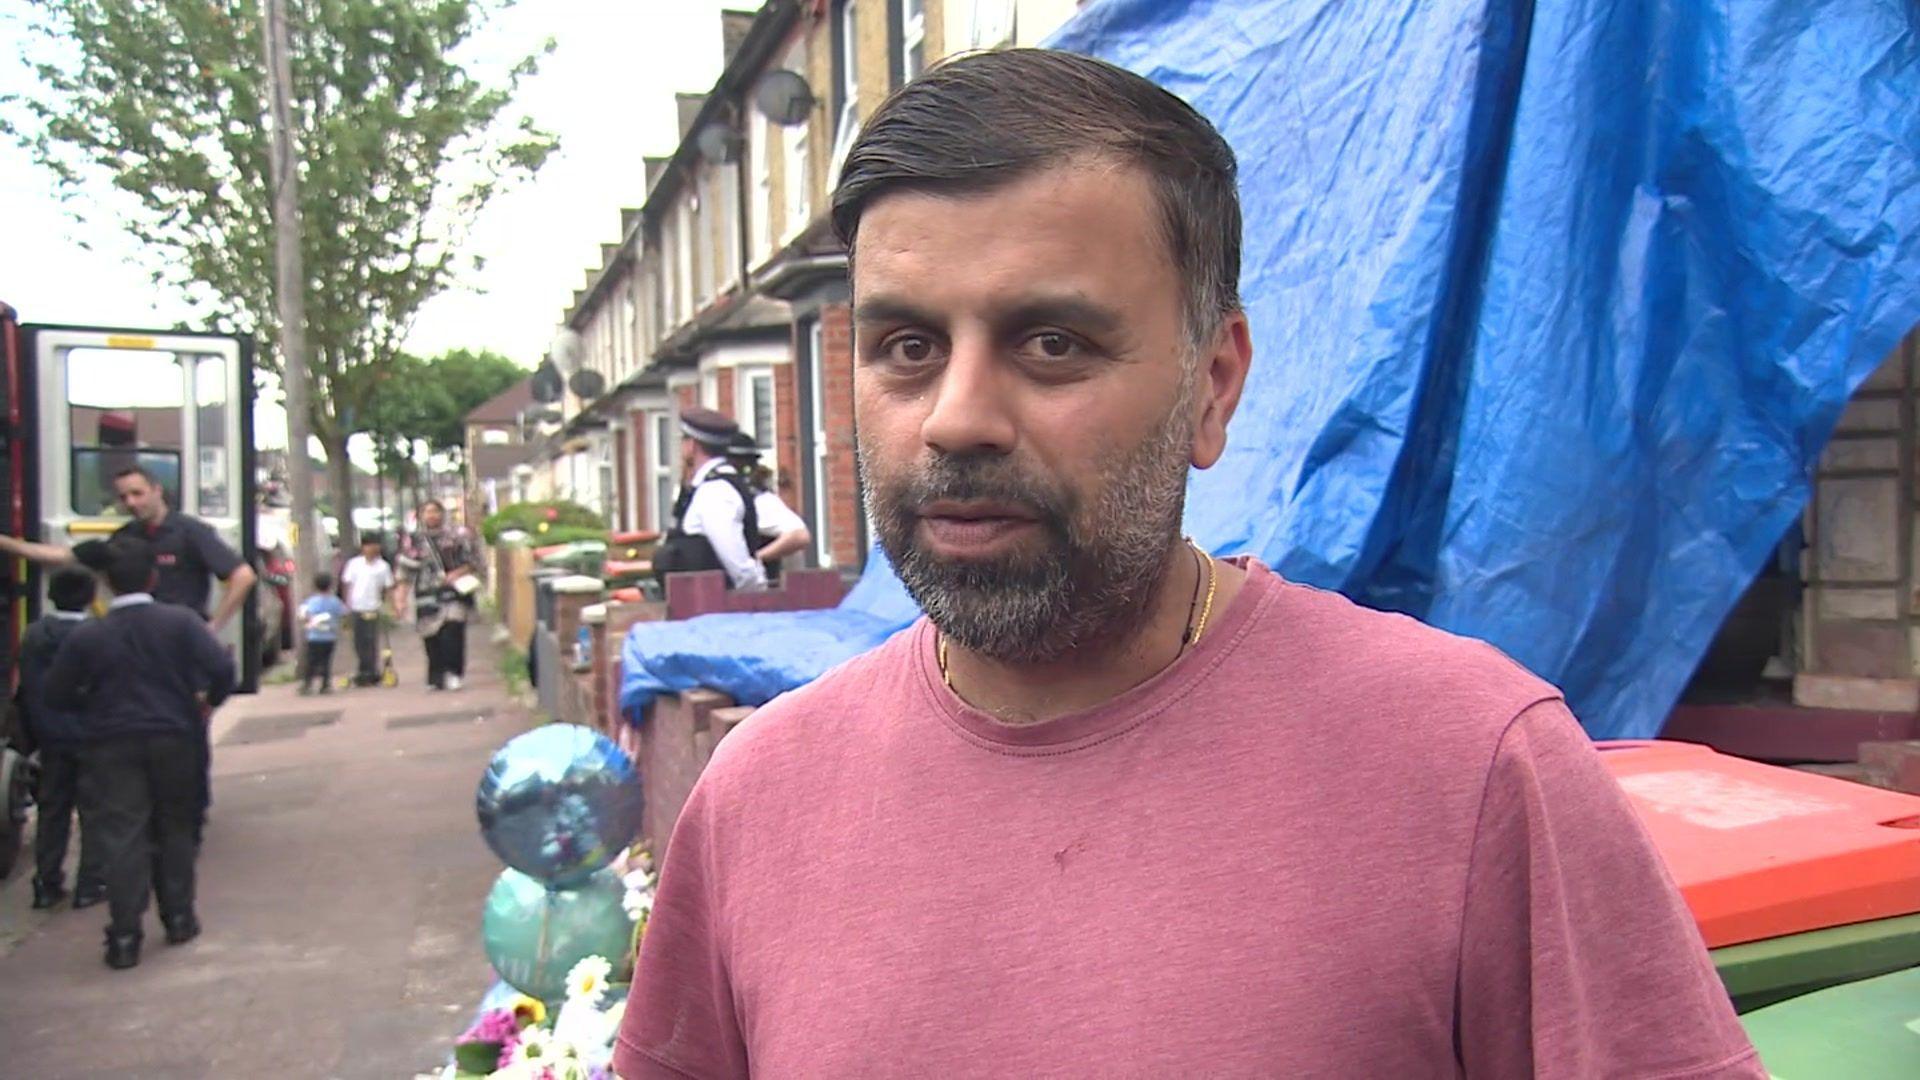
681	552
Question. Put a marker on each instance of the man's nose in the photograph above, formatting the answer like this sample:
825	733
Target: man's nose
972	409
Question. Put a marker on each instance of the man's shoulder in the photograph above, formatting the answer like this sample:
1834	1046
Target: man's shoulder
826	717
1389	665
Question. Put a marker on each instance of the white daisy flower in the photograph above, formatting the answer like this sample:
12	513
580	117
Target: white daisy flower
588	979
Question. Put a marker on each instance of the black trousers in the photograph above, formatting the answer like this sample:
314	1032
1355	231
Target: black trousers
447	652
318	664
145	793
366	647
58	797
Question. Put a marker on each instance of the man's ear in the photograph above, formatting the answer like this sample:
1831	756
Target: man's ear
1223	376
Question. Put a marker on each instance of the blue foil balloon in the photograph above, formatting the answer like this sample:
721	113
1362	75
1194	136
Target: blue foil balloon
559	803
534	935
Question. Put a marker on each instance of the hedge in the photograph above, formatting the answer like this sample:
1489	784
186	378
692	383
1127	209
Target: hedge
527	517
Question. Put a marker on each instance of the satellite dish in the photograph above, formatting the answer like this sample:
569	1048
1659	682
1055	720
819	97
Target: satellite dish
784	97
719	144
547	386
587	384
566	349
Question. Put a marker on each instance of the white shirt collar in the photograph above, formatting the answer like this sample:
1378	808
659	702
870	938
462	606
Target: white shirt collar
707	468
70	616
132	599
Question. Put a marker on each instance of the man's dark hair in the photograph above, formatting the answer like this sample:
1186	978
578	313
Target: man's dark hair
129	565
323	582
371	538
71	589
139	471
989	119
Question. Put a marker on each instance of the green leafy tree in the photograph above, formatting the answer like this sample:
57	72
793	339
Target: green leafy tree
400	146
466	379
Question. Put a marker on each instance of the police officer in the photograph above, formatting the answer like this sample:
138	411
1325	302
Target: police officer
187	552
714	525
782	532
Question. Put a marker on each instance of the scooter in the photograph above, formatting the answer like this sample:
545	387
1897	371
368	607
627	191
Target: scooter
389	675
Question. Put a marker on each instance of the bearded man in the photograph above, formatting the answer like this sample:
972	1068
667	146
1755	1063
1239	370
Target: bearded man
1115	807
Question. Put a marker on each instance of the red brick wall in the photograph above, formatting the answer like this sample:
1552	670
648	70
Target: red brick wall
688	396
786	421
723	385
836	368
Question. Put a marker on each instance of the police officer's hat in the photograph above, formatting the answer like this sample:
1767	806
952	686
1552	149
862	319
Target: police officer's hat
708	428
743	448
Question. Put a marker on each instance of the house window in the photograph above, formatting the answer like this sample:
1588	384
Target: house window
669	274
665	451
699	234
913	39
993	24
760	166
710	388
755	407
623	363
494	436
799	179
846	67
736	237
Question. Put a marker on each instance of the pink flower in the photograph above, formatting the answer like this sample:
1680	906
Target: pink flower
495	1025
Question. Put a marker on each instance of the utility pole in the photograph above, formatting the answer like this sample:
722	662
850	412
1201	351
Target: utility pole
290	286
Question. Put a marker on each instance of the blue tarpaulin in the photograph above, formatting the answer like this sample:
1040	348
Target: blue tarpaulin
753	658
1554	308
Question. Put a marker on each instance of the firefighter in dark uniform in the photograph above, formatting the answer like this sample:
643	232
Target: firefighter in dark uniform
188	556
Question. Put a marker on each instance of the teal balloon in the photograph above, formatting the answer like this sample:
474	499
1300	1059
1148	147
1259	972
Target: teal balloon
535	934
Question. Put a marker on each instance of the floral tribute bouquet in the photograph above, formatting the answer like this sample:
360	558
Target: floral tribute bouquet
516	1042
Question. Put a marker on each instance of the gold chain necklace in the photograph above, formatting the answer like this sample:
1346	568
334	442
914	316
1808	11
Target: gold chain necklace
1187	640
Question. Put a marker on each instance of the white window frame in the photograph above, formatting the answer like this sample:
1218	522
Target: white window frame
710	388
660	432
817	487
728	261
699	235
744	379
760	167
683	261
846	126
669	274
794	141
993	24
913	35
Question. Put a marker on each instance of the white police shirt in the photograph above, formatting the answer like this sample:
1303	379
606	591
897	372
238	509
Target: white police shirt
776	518
717	513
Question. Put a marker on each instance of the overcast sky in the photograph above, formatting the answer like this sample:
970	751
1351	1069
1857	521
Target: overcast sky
607	91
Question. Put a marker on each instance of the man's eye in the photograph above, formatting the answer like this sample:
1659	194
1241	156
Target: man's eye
910	349
1053	345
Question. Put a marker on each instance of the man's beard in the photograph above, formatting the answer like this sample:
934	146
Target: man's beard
1100	563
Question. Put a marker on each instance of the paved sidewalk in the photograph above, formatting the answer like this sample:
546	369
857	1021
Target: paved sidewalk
340	885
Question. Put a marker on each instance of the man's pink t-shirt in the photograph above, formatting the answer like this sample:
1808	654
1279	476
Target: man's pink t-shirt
1325	842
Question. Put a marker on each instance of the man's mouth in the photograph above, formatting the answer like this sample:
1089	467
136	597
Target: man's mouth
964	528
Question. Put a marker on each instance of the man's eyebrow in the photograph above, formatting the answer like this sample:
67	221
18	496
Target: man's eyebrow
1072	312
1068	311
892	309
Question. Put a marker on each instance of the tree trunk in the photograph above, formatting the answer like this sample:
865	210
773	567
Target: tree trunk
340	482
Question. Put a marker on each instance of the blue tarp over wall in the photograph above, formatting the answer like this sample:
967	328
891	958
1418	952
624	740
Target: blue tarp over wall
1554	308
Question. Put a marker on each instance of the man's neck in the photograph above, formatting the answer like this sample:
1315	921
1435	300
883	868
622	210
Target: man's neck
159	515
1092	676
